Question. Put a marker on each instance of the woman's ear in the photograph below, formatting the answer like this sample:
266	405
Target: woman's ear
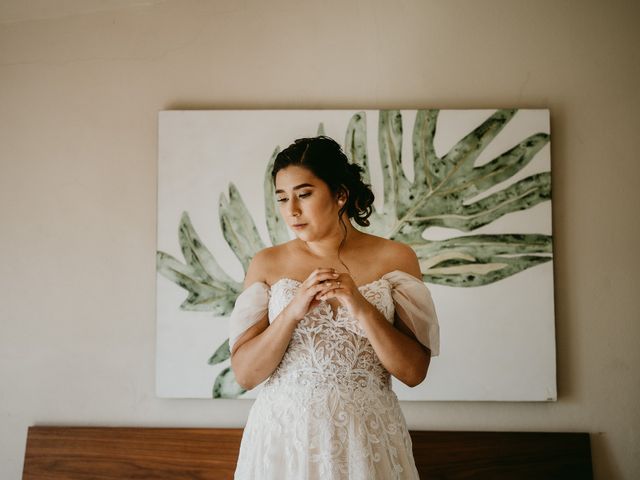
342	197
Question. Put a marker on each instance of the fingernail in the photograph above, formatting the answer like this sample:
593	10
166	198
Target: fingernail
335	275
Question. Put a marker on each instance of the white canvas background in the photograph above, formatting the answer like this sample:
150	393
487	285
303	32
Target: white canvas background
497	341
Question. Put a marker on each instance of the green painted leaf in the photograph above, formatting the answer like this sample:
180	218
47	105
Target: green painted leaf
396	187
278	232
221	354
442	187
475	275
481	259
209	287
226	386
198	257
356	144
502	168
202	296
460	159
521	195
424	154
238	227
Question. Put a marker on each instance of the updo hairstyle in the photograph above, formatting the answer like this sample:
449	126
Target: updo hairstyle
323	157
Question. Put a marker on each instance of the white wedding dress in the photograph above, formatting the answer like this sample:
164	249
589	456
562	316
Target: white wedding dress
328	412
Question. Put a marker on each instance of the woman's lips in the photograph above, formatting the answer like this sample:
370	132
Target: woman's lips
301	225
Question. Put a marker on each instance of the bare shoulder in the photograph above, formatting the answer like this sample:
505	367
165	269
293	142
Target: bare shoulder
259	266
263	263
398	256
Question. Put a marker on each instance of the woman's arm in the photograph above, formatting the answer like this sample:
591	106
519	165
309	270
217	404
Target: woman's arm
400	353
259	350
396	345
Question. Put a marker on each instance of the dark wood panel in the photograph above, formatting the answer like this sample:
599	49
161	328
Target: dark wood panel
95	453
502	455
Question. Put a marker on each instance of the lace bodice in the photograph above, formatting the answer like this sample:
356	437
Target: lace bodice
331	347
411	299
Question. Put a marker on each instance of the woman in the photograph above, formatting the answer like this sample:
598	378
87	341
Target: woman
325	319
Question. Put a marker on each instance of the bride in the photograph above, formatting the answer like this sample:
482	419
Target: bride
326	319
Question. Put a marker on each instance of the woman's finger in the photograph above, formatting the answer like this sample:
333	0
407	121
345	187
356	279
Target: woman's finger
328	291
326	285
316	290
327	277
320	275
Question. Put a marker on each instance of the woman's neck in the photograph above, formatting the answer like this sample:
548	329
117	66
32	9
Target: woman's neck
327	248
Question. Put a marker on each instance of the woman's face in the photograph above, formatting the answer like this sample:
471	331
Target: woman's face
306	203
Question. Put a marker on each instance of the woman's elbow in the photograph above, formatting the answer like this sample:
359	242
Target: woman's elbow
415	379
241	376
243	382
416	375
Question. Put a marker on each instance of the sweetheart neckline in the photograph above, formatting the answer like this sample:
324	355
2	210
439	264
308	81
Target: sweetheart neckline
334	313
299	282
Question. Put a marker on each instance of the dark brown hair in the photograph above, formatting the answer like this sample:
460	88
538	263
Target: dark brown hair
325	159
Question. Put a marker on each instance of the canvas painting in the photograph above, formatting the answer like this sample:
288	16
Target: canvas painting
468	190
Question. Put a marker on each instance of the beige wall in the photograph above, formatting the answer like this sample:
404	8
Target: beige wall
81	82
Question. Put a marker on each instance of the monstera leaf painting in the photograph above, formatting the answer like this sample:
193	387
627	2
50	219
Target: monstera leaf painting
451	192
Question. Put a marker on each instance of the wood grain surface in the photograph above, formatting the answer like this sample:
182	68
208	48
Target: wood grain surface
122	453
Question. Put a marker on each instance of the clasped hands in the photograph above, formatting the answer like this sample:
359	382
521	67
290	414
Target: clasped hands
323	284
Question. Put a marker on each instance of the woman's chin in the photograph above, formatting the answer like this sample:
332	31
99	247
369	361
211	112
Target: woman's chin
303	235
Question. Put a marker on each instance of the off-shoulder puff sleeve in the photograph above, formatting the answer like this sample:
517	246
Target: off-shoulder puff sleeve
414	306
251	305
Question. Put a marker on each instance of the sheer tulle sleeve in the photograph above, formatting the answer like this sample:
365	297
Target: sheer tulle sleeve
251	305
413	304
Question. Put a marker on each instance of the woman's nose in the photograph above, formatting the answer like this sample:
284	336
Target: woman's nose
294	209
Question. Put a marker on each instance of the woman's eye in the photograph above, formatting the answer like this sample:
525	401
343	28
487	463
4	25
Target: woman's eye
281	199
302	195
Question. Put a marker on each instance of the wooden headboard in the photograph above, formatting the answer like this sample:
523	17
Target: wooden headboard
210	453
